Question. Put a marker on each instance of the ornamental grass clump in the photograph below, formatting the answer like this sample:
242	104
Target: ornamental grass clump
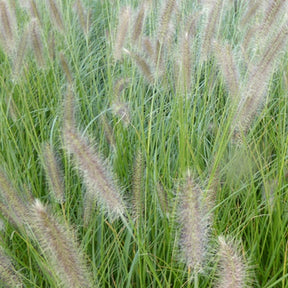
58	245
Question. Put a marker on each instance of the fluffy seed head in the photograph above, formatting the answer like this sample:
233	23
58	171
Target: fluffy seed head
58	244
11	204
137	187
56	15
233	272
7	27
66	69
8	275
20	53
53	173
122	31
194	222
100	183
36	41
165	21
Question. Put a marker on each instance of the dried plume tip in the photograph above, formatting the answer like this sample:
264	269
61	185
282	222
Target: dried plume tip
54	174
8	27
122	31
233	271
8	274
36	41
56	15
100	183
194	221
58	244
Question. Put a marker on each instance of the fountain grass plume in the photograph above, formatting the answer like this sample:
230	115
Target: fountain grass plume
137	185
122	31
58	245
165	20
100	182
194	221
254	91
66	68
8	274
8	27
54	174
14	207
82	16
37	43
229	69
20	53
56	15
138	23
212	24
233	270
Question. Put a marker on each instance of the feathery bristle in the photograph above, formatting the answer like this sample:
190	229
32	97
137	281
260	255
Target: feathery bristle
66	69
56	15
194	221
36	41
232	271
59	247
8	275
122	31
53	173
100	183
